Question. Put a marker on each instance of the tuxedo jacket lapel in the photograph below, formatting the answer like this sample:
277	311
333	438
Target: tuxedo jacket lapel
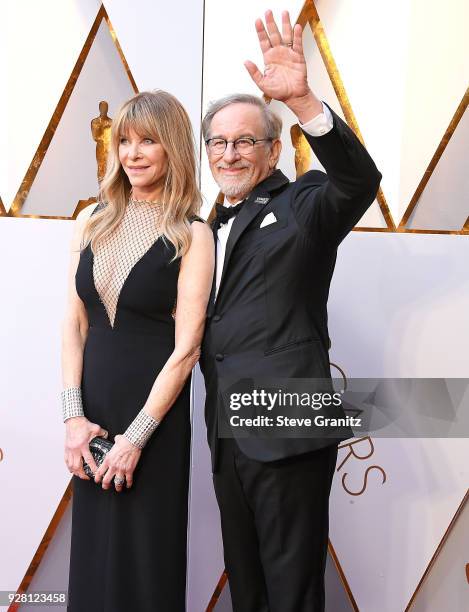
255	203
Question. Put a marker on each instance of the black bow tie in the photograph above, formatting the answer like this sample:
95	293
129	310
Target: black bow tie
224	213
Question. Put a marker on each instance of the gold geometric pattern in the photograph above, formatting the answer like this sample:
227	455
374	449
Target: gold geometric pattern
81	205
342	577
438	549
310	15
44	544
224	579
23	191
465	229
429	170
217	592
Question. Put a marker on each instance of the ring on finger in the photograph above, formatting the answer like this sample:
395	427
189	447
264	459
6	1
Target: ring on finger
287	44
119	481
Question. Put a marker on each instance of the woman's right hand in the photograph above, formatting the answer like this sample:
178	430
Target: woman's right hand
78	433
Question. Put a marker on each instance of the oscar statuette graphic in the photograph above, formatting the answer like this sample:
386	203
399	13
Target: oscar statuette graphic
101	131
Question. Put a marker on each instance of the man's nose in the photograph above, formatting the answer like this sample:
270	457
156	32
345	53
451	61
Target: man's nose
231	154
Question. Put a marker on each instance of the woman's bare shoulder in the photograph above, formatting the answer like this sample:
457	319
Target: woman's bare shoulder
201	231
80	223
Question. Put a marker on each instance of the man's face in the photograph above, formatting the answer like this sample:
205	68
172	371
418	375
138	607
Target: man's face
238	173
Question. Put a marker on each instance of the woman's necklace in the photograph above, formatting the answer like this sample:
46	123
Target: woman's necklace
138	201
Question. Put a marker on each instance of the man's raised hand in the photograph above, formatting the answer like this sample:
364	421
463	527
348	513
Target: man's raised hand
284	76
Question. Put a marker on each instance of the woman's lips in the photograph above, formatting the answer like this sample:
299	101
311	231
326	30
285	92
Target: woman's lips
137	170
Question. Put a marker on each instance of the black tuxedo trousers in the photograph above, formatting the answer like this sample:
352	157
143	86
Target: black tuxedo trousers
275	521
269	320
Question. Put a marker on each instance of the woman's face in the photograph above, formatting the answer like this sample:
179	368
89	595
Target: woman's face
145	162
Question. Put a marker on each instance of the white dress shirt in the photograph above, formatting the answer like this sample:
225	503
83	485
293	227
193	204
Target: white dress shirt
318	126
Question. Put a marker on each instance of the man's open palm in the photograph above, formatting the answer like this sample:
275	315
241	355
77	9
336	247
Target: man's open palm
284	76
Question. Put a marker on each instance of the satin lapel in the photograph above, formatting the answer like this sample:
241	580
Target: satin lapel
249	211
255	202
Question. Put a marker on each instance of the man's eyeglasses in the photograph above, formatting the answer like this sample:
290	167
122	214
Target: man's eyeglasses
244	146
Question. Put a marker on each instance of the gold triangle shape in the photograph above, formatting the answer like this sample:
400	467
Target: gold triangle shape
217	592
465	227
2	209
224	579
462	106
44	544
23	191
438	549
309	14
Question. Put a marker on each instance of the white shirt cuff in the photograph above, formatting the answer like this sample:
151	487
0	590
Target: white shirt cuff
319	125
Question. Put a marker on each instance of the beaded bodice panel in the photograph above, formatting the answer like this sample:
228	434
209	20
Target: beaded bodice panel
120	251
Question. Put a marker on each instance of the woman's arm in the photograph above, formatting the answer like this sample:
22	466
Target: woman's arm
194	285
79	430
75	323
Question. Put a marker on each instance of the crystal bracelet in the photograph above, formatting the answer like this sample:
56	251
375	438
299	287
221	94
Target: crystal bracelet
141	429
72	405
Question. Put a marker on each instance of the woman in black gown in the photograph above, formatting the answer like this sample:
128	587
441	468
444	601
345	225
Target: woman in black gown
140	278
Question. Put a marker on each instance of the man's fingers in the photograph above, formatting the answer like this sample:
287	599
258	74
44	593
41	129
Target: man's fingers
272	29
298	39
287	32
264	40
255	73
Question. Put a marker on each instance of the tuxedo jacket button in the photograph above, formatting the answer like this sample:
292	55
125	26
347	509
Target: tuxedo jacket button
216	318
219	357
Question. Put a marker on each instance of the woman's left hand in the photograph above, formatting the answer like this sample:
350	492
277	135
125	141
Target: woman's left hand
120	462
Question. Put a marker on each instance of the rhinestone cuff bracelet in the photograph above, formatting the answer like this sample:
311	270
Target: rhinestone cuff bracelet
72	405
141	429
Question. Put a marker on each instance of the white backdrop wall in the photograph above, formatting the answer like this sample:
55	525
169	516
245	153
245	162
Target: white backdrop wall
398	304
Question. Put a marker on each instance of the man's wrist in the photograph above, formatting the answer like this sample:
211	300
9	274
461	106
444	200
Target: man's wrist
305	107
319	125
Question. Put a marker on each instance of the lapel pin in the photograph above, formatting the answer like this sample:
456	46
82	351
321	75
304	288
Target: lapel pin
260	200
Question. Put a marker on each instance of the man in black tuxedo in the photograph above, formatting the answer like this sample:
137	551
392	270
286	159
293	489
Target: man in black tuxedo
276	249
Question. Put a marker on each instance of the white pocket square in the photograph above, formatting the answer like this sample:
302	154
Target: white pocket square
268	219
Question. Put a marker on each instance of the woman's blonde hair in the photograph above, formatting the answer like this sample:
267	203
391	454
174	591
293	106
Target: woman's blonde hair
160	116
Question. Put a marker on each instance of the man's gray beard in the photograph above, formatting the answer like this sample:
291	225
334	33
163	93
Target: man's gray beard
232	190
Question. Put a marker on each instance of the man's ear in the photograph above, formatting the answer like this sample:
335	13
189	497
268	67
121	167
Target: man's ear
275	151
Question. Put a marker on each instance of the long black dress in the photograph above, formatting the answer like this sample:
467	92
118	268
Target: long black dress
128	549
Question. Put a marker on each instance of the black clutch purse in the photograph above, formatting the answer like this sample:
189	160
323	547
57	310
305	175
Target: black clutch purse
99	448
